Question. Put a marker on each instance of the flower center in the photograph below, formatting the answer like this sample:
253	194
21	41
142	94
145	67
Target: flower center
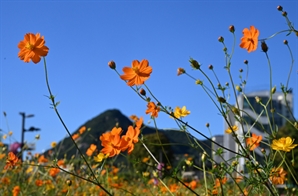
250	40
136	70
29	46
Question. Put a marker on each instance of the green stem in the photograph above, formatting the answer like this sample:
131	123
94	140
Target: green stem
52	98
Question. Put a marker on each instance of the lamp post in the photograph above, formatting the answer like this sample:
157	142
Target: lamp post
24	116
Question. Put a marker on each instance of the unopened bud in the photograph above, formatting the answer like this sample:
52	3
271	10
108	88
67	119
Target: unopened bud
221	39
221	100
68	182
263	151
37	137
180	71
236	111
235	163
273	90
227	84
279	8
142	92
284	13
112	64
238	88
272	110
258	99
194	64
286	42
232	28
200	82
210	67
240	70
225	49
264	47
203	156
296	125
246	62
207	125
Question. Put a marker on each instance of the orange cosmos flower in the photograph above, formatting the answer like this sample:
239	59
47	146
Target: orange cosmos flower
153	109
38	182
111	142
11	161
91	149
138	73
139	122
54	171
249	41
129	139
16	190
32	48
254	141
42	159
278	176
75	136
82	130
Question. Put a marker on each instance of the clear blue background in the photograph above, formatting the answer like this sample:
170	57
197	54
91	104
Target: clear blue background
84	35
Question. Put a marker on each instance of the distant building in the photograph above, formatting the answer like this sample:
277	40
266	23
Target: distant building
256	121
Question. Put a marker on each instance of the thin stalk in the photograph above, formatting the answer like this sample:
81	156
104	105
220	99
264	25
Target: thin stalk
52	98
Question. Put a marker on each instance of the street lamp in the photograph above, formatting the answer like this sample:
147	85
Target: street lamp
24	116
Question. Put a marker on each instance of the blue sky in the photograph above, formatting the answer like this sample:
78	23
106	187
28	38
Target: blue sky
84	35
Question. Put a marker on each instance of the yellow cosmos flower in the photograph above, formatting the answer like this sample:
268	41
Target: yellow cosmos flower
284	144
229	130
181	112
100	157
54	144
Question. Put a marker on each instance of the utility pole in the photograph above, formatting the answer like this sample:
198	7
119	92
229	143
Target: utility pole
24	116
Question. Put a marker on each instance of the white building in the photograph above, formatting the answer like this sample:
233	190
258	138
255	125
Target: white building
256	121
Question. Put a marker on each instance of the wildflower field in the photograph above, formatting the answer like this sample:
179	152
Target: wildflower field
98	171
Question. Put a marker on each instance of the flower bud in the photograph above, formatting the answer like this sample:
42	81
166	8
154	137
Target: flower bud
246	62
210	67
207	125
258	99
203	156
112	64
221	39
273	90
221	100
235	163
227	84
225	49
232	28
284	14
286	42
263	151
37	137
236	111
142	92
194	64
264	47
68	182
240	70
200	82
238	88
296	125
279	8
180	71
